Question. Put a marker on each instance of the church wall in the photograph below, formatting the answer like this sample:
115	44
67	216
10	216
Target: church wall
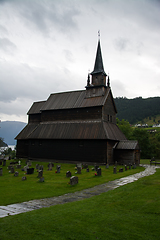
22	149
32	118
69	150
72	114
108	110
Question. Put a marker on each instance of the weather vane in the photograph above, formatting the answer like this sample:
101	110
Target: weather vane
99	34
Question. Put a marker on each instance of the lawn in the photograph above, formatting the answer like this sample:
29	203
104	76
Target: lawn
128	212
15	190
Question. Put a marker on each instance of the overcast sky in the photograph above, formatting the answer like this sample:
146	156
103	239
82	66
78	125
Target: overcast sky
48	46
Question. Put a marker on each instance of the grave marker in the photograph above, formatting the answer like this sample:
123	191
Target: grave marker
73	180
16	174
1	171
68	174
99	172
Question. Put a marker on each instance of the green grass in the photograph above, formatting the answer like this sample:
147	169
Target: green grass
145	161
128	212
15	190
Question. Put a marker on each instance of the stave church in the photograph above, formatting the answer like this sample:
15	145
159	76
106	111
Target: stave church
78	126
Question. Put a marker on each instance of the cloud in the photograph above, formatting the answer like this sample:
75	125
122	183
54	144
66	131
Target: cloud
7	46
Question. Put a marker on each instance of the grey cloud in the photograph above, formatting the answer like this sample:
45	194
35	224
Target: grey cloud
7	46
68	55
3	30
121	44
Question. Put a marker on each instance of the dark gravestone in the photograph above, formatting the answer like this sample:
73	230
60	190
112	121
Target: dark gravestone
58	168
4	163
29	163
73	180
16	174
37	166
1	171
125	167
50	163
30	170
129	166
12	169
40	173
99	172
18	166
107	166
0	162
87	170
121	170
134	166
114	170
9	167
40	167
116	163
25	168
79	165
96	167
41	179
79	170
85	165
24	178
68	174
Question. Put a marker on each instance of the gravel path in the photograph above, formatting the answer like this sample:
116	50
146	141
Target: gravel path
17	208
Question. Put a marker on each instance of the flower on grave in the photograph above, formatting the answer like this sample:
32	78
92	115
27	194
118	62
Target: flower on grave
95	174
55	171
75	168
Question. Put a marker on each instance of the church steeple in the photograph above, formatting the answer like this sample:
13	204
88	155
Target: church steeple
98	66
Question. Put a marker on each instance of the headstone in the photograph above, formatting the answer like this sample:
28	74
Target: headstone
73	180
0	162
68	174
58	168
116	163
134	166
37	166
50	166
24	178
114	170
85	165
4	162
121	170
40	173
99	172
12	169
1	171
125	167
87	170
41	179
129	166
40	167
9	167
79	165
29	163
107	166
16	174
19	162
25	168
18	166
50	163
79	170
30	170
96	167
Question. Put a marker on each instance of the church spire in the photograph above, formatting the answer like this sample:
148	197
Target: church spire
98	66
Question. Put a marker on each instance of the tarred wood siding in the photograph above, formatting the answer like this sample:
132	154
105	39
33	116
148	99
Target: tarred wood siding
126	156
109	110
72	114
71	150
110	158
32	118
22	148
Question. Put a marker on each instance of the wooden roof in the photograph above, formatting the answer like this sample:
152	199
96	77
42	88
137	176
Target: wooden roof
72	130
69	100
127	144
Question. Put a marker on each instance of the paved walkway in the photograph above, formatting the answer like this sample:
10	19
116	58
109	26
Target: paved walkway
17	208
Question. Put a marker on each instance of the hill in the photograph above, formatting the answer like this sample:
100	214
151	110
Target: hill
138	109
9	130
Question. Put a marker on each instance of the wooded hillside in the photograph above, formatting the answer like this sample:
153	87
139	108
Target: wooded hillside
137	109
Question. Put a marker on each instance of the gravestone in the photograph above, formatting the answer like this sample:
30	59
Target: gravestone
96	167
134	166
68	174
41	179
29	163
37	166
40	173
18	166
1	171
129	166
4	162
114	170
50	165
19	162
30	170
0	162
73	180
79	165
9	167
116	163
16	174
24	178
40	167
87	170
85	165
79	170
107	166
58	168
125	167
99	172
121	170
12	169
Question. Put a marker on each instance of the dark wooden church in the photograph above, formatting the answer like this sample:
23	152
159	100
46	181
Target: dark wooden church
77	126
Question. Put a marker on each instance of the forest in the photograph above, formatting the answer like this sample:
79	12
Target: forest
137	109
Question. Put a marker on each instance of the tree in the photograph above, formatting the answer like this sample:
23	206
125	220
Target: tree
125	127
